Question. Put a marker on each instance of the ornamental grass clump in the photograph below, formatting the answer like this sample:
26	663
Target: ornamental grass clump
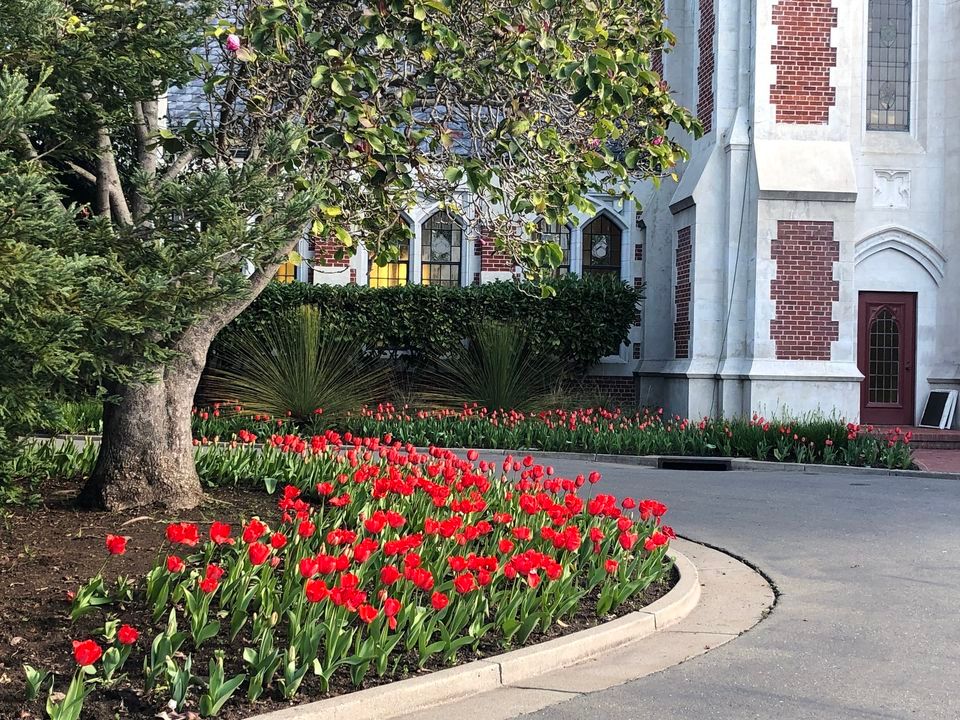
497	368
381	560
296	368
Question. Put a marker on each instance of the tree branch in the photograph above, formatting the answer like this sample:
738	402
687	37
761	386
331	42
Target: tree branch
109	189
180	164
146	116
81	172
28	146
222	316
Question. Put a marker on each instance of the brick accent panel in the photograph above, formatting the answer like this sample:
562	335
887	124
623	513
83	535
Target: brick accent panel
706	64
803	56
637	351
491	260
324	252
638	283
353	276
681	295
804	290
620	390
638	252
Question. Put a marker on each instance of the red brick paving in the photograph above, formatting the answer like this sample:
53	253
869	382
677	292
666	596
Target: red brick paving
937	460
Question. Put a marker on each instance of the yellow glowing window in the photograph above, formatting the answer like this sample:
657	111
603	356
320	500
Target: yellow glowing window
287	272
393	273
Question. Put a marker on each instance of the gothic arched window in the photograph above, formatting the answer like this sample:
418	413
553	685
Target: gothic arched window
601	246
441	250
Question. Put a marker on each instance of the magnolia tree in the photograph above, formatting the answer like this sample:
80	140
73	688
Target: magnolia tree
324	118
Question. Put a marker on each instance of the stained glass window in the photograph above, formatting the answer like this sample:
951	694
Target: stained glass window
441	250
601	246
888	65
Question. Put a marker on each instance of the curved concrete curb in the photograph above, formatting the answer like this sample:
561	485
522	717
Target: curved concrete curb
481	676
734	598
653	460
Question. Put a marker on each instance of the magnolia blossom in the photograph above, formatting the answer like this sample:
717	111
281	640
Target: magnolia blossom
233	42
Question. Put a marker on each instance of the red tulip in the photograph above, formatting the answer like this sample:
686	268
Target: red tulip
174	564
86	652
391	606
220	533
254	530
116	544
127	635
183	534
439	601
464	583
258	553
367	613
316	590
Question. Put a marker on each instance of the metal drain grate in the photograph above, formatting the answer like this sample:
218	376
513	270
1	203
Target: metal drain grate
686	463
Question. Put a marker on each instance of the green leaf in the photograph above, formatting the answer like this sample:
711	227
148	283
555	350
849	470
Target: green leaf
453	175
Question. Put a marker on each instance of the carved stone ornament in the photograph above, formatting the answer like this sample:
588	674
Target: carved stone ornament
891	189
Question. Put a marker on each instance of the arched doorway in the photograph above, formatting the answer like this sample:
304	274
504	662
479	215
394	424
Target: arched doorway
886	355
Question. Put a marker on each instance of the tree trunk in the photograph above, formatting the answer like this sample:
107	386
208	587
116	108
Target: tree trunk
146	454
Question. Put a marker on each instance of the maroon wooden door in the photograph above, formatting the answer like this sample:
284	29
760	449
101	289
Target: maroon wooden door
886	355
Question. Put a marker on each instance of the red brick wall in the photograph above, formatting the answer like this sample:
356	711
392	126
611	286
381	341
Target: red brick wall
706	63
621	391
803	57
491	260
324	252
804	290
681	325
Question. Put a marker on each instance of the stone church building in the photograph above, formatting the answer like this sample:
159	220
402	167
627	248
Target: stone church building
805	260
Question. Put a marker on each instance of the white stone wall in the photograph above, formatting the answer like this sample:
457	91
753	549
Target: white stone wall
886	193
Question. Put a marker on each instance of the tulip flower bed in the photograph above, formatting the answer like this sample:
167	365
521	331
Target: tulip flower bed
593	430
597	430
646	432
379	562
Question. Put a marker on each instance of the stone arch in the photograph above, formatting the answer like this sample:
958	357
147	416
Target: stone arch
922	251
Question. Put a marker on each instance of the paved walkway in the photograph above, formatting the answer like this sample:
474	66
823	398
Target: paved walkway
867	627
937	460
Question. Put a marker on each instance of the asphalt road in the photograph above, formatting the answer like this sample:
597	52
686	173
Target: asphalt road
867	625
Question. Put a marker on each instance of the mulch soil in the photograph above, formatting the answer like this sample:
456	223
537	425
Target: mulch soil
49	551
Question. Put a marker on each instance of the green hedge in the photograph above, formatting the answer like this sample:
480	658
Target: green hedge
587	319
